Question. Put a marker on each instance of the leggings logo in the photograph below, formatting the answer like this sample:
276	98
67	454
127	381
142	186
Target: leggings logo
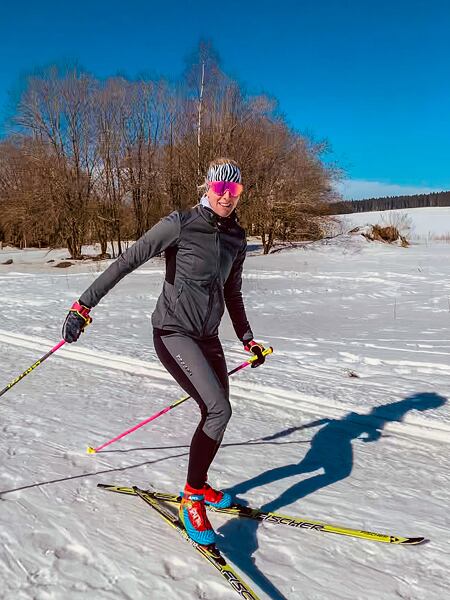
183	364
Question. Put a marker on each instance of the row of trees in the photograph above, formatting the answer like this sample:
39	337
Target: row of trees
392	203
102	161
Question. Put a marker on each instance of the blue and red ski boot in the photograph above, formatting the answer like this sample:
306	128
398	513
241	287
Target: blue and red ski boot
194	518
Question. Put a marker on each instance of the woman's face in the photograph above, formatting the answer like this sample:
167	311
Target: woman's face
223	205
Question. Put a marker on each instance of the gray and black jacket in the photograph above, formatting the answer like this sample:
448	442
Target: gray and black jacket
204	257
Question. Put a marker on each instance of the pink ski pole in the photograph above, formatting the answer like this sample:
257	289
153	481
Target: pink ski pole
91	450
36	364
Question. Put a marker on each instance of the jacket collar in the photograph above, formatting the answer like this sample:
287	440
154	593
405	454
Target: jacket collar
208	214
223	222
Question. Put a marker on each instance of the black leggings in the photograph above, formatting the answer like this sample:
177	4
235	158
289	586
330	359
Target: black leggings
199	367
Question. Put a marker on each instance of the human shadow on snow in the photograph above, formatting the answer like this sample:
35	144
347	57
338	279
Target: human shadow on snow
330	450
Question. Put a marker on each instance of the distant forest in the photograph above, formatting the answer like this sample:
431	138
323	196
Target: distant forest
391	203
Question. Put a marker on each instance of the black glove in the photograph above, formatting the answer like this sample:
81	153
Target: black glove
77	319
257	349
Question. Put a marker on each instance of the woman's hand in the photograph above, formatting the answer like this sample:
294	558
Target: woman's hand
257	349
77	319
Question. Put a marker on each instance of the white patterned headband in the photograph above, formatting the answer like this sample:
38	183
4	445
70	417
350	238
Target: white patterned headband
224	172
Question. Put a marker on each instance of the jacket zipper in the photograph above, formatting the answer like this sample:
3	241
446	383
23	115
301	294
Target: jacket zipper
214	282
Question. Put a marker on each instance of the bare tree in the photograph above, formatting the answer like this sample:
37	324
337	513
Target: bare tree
145	130
27	193
111	114
202	78
287	185
57	109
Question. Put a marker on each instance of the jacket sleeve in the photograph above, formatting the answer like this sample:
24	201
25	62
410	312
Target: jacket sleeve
155	240
233	298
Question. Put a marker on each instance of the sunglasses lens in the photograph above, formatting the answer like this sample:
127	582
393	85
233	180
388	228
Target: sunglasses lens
234	188
220	187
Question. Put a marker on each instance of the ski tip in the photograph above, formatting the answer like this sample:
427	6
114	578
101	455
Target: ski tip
413	541
91	450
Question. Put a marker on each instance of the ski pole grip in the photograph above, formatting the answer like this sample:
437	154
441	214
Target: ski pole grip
267	351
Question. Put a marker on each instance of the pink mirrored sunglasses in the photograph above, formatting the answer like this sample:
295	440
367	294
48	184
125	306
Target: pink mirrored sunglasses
220	187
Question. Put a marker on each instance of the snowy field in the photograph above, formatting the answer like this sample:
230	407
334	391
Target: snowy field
427	223
307	438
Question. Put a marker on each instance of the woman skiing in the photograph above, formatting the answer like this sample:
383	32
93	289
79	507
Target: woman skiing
204	250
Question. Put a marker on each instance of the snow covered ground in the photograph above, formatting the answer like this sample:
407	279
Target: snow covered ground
306	437
426	223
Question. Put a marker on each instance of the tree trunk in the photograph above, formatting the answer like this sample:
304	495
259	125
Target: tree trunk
199	124
74	247
269	242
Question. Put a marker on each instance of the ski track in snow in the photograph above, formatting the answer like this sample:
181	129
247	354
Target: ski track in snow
306	437
411	425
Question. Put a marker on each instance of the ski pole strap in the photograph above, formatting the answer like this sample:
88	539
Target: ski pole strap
82	311
36	364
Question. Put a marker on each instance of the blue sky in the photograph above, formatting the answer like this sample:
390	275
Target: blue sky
371	77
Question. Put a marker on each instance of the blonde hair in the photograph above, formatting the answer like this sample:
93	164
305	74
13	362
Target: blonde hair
222	161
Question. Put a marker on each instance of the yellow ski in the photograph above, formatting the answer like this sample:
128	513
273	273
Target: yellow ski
239	510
